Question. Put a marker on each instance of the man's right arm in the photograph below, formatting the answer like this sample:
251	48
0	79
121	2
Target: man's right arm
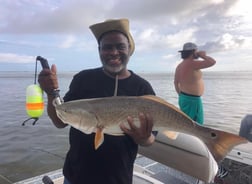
205	63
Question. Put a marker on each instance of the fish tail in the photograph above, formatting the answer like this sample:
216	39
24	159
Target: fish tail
222	142
99	137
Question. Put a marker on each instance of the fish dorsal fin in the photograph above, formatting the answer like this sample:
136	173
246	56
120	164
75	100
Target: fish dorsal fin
159	100
164	102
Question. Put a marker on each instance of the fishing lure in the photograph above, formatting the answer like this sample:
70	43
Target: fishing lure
34	96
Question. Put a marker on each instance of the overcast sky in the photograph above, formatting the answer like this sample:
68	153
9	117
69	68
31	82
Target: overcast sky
59	31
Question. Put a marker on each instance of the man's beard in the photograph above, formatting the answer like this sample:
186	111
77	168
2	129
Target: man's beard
114	69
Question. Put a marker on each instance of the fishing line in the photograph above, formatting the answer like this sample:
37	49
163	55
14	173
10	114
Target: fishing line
48	152
36	71
5	179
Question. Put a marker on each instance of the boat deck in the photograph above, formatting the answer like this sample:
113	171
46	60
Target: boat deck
146	171
156	173
238	165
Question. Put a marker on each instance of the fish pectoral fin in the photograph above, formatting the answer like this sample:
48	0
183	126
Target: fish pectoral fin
99	137
171	134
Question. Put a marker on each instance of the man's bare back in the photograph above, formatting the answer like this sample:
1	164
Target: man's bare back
188	76
189	80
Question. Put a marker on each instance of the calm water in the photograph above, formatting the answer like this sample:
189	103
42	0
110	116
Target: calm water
27	151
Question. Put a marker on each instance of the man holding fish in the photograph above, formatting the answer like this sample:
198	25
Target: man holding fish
114	160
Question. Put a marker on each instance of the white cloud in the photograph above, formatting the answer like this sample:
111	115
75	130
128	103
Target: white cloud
15	58
226	42
241	7
53	28
179	38
68	42
168	56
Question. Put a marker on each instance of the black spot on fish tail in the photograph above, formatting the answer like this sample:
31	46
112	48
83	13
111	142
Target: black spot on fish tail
213	135
221	143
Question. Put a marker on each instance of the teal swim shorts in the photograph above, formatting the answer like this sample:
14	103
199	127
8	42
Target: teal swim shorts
192	106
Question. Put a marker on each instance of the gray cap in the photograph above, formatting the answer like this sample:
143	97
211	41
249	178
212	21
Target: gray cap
189	46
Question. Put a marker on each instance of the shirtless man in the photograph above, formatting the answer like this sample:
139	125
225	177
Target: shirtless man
188	80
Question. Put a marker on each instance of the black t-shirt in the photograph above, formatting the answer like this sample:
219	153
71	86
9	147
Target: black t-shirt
113	161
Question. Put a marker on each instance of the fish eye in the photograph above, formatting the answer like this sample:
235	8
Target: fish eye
213	135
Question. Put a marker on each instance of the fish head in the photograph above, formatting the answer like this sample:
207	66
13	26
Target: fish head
77	117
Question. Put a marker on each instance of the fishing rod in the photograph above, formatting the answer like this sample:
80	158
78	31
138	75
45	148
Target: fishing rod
45	65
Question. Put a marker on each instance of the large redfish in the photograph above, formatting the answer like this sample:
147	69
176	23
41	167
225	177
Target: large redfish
104	115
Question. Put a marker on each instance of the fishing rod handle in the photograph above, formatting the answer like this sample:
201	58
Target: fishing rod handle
45	65
47	180
43	62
